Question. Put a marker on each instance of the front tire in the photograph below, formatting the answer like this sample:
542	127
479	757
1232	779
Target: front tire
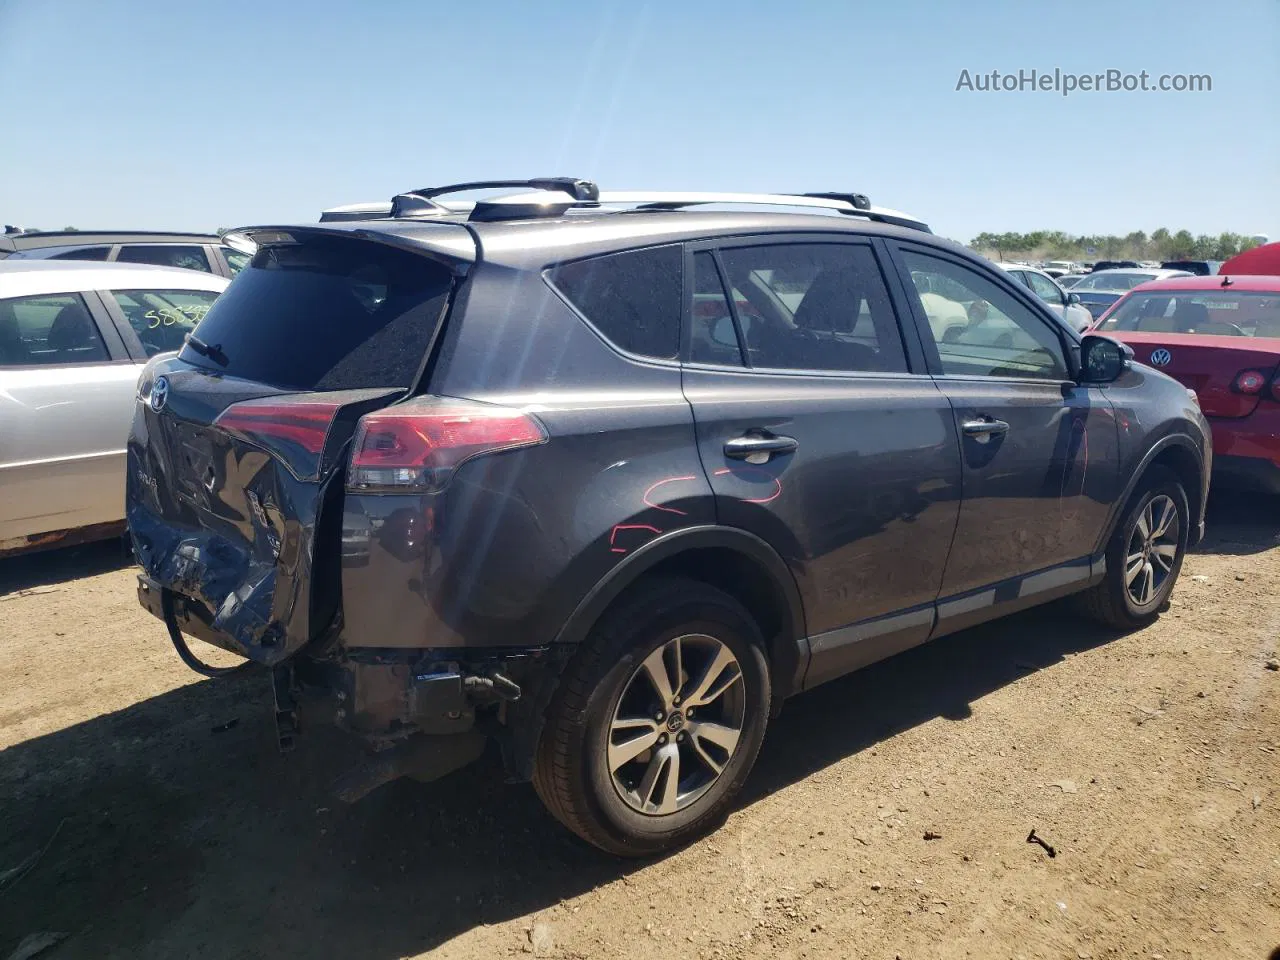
657	720
1144	555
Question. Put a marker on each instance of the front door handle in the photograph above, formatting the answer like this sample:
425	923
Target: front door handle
755	449
984	429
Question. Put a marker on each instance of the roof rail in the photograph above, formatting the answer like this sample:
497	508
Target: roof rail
558	195
850	204
422	202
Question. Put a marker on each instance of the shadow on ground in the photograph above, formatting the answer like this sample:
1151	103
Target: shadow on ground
1241	524
36	570
174	840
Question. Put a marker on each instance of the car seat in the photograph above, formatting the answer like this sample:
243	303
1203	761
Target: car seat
72	336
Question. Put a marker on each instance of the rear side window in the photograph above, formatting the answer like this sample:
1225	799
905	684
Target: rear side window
47	330
162	318
166	255
326	314
631	298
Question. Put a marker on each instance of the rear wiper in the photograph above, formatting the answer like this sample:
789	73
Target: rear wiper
213	352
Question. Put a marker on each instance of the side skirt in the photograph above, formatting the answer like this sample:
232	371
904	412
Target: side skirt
850	648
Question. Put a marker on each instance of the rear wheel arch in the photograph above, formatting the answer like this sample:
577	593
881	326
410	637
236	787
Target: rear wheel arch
756	576
734	561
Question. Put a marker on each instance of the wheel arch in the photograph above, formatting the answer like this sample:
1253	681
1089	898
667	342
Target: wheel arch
735	561
1178	453
740	563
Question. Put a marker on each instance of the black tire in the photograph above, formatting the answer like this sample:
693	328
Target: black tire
571	771
1111	601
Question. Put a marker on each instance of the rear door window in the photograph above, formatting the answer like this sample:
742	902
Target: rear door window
814	306
188	257
631	298
48	330
162	318
328	313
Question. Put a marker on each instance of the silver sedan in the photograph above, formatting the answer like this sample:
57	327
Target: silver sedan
1064	304
73	339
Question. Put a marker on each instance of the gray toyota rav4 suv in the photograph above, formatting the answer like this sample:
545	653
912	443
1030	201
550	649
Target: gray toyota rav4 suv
607	477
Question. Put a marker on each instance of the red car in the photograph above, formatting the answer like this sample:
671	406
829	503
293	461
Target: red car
1221	337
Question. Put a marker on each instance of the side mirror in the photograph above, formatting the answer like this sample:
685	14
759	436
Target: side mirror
1102	360
1073	299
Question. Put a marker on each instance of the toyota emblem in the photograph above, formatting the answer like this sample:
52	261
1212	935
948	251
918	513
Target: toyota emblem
1161	357
159	393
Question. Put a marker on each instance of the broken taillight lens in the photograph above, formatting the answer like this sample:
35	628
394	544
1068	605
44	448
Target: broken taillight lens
267	422
416	446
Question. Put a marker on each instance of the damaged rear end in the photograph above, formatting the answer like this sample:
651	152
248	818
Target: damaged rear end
240	447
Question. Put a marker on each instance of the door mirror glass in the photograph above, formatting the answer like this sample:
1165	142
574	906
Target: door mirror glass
1102	359
1073	299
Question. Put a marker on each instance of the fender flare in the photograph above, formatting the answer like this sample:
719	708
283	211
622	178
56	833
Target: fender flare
1160	446
788	654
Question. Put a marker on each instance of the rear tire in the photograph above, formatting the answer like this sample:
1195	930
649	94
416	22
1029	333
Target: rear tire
1144	555
657	721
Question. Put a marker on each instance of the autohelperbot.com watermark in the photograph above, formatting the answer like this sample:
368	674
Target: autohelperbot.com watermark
1065	83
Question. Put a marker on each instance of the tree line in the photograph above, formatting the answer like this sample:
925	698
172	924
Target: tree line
1161	244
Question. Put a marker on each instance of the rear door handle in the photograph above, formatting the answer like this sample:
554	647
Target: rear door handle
758	449
983	430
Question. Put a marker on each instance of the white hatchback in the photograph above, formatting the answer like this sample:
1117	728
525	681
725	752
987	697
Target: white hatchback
73	339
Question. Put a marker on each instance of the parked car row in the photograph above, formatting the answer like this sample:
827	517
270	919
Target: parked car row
189	251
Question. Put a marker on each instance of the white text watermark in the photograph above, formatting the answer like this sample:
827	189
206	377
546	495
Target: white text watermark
1064	83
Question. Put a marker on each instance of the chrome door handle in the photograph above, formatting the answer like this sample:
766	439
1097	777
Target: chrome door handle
758	449
984	430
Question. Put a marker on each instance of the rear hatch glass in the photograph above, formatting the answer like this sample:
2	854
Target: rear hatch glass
238	446
1206	339
329	313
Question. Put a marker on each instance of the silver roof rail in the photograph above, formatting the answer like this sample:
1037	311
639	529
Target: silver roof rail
555	203
851	204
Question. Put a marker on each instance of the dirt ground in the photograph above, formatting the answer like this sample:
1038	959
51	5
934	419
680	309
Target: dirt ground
1151	762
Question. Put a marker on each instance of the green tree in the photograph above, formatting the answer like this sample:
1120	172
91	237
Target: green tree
1180	246
1161	243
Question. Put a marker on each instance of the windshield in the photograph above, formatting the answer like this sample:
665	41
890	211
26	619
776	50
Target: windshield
1113	281
1203	312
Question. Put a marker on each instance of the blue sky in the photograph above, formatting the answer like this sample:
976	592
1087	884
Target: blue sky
168	115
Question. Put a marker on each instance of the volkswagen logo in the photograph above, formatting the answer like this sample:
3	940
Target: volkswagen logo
159	393
1161	357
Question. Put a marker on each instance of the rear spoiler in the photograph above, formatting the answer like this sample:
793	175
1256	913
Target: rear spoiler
449	243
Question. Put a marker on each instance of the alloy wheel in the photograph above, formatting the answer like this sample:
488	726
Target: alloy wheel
677	724
1152	550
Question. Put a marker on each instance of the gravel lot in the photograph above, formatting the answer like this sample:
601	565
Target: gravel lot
1151	762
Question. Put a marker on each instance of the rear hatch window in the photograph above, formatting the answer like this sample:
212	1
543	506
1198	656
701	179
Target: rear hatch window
1222	343
332	313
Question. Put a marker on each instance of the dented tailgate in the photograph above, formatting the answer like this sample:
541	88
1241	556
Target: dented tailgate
237	455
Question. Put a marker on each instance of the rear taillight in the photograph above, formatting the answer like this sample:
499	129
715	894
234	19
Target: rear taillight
305	424
1249	382
416	446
